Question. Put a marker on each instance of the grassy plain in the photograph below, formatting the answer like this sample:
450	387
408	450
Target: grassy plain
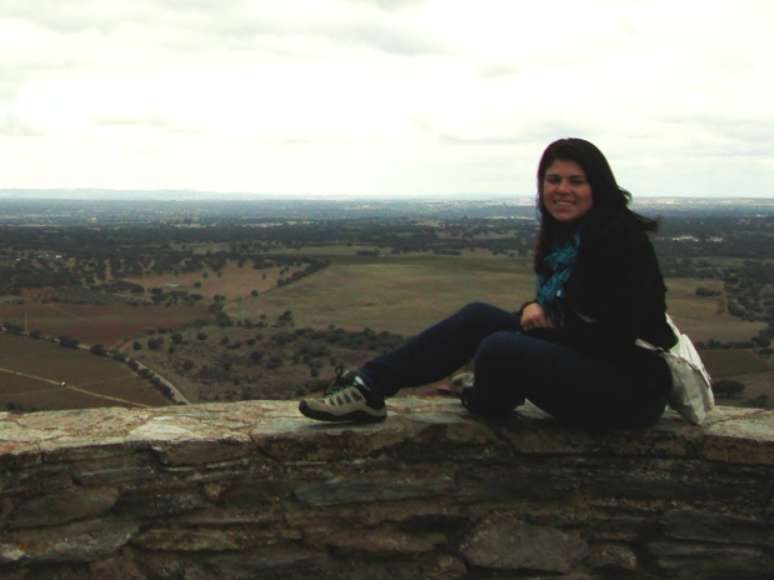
399	293
404	293
407	292
231	282
703	318
31	373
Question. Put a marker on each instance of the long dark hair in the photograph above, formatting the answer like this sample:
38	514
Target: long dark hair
608	198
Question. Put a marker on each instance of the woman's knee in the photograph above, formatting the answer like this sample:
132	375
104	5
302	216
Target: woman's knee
498	354
503	344
497	386
477	310
482	319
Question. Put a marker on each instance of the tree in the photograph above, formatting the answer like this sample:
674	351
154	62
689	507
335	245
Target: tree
98	349
706	292
274	362
68	342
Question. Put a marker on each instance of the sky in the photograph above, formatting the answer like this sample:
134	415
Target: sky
384	98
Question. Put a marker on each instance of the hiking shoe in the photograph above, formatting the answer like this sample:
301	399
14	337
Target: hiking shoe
347	399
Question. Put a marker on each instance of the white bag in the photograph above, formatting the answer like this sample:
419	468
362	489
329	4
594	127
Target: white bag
691	394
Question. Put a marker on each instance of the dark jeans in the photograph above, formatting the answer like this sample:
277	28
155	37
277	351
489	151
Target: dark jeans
511	366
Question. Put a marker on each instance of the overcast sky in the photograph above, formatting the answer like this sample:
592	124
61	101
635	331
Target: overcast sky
387	98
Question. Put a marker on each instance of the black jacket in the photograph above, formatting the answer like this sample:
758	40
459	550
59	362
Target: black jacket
616	293
614	296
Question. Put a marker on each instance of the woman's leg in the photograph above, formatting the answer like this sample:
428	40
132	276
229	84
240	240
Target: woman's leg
438	351
575	389
427	357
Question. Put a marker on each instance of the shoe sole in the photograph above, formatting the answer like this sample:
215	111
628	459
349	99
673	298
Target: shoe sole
352	416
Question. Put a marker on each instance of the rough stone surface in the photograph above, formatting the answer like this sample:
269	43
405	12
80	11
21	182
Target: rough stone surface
72	504
385	542
613	557
79	542
254	490
690	560
503	542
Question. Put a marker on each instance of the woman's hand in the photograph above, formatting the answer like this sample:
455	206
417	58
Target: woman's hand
533	316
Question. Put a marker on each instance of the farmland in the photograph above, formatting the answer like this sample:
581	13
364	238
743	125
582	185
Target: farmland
238	309
109	325
37	374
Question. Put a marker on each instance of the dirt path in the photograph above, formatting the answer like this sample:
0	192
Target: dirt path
75	388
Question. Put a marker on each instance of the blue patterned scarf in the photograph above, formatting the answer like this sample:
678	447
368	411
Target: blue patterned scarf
557	267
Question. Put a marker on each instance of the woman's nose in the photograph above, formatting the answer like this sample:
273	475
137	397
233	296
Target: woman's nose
563	186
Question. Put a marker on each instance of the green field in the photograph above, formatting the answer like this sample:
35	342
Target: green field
402	294
705	318
406	293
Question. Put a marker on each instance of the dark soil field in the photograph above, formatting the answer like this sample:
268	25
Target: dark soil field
32	373
108	325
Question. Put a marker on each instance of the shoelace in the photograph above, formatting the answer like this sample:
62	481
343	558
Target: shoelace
341	382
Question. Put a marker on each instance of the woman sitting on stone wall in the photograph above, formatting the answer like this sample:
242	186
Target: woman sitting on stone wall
571	350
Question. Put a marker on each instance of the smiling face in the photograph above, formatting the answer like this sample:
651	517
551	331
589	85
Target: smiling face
566	191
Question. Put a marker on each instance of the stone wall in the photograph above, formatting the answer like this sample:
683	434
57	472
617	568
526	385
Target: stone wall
253	490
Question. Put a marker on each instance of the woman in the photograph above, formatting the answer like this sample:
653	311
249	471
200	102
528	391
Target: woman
571	350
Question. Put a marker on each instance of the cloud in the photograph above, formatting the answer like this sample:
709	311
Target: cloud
392	95
154	122
73	17
12	127
390	5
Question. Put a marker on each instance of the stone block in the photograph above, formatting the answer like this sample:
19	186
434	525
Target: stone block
518	479
203	453
505	543
78	542
37	479
160	501
116	469
718	528
386	487
747	437
612	557
74	503
383	542
211	538
711	562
